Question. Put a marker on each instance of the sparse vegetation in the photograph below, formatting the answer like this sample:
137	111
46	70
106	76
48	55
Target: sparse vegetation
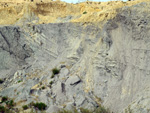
25	107
65	111
50	84
4	99
68	111
41	106
100	109
38	105
55	71
98	99
84	12
10	103
4	110
52	76
128	110
19	81
83	110
43	87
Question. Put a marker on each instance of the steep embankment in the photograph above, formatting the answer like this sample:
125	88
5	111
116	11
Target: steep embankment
102	59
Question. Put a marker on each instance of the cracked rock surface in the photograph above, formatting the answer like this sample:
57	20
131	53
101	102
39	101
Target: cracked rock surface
110	63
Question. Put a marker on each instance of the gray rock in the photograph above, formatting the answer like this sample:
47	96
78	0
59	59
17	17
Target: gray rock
73	80
63	75
59	90
79	100
69	106
111	62
52	109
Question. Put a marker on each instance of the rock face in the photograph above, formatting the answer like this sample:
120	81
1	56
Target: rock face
110	63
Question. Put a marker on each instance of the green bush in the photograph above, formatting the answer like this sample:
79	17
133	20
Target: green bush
41	106
4	99
43	87
51	82
4	110
25	107
10	103
19	81
84	12
1	81
55	71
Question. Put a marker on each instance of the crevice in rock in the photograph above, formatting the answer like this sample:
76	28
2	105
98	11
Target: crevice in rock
76	83
63	87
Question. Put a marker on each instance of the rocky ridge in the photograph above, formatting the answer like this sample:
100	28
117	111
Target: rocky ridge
104	61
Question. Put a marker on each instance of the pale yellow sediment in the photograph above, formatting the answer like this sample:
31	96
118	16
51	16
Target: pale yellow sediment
47	11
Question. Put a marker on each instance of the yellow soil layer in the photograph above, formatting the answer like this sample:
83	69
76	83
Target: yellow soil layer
47	11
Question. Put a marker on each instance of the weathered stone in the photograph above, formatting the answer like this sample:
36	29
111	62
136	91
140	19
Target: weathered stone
63	74
73	80
53	109
112	62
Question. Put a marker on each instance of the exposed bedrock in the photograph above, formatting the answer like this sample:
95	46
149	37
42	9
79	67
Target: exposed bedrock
110	64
